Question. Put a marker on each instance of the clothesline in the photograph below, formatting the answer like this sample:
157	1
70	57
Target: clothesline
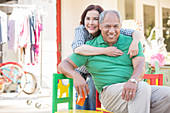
20	6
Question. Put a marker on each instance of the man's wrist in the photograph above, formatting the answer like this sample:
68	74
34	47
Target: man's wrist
132	80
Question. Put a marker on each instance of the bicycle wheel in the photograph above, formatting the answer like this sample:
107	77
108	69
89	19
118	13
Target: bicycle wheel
2	85
31	83
14	77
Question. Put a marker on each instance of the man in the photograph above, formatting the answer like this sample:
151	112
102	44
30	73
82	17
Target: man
117	79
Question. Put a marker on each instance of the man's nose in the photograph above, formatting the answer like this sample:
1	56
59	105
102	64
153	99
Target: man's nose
112	30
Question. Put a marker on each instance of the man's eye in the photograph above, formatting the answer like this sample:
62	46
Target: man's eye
107	26
116	27
96	18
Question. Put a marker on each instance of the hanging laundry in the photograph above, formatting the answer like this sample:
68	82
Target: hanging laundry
3	27
24	31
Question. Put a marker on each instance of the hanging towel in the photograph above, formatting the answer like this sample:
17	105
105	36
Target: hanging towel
0	31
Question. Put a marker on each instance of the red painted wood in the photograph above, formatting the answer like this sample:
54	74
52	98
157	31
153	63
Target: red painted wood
58	30
98	104
152	78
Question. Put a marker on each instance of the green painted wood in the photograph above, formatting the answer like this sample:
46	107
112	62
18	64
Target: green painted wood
56	100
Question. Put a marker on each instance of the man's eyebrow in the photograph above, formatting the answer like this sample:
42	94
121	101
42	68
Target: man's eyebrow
106	24
117	24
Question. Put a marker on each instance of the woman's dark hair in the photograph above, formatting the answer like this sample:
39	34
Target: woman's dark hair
89	8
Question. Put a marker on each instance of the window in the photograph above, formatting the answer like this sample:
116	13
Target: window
129	9
166	27
149	20
126	9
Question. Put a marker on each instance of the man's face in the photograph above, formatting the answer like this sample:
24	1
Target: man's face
110	28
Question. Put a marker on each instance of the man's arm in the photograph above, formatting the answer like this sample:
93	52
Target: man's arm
130	88
67	67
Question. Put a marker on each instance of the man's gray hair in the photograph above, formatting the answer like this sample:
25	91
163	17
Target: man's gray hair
102	15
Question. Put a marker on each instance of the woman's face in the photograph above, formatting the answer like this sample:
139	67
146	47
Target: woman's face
92	22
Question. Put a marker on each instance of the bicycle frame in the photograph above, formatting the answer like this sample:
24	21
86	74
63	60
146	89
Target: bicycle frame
16	75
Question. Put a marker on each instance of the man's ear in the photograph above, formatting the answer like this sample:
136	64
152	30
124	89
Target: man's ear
120	25
100	26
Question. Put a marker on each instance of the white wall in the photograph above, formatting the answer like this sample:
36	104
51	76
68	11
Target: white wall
71	13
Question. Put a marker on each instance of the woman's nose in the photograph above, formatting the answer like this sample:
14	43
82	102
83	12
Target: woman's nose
91	22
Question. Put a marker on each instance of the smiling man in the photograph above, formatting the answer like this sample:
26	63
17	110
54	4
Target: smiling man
117	79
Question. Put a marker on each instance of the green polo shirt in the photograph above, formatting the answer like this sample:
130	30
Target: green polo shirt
106	70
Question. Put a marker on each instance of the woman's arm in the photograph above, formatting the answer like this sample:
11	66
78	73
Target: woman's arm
91	50
137	36
79	47
133	49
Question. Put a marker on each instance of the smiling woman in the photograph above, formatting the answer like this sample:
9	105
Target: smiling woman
92	22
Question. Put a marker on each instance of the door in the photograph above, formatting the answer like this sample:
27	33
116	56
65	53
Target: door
150	16
165	24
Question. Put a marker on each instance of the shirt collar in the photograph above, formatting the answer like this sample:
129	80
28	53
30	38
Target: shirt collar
120	40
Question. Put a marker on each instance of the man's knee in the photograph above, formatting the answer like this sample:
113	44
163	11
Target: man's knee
144	88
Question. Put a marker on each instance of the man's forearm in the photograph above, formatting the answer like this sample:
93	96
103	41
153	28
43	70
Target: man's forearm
139	68
67	69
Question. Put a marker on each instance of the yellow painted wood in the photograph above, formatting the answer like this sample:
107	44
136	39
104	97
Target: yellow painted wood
63	89
100	109
79	111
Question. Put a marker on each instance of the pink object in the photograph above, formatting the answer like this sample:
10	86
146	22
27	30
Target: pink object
158	58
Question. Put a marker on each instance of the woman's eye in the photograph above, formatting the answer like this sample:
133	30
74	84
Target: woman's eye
87	18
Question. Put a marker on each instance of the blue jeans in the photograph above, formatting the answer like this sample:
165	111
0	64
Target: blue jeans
90	102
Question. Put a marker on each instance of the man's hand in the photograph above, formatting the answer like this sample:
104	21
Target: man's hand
129	91
113	51
133	49
80	84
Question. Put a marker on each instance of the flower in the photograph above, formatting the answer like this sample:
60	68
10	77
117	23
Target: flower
160	58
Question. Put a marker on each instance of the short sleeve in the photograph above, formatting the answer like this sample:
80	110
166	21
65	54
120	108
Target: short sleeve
127	32
79	60
80	37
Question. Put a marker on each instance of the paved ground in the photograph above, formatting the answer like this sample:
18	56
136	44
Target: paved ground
19	105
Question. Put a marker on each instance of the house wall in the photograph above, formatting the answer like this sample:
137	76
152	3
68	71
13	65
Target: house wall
71	11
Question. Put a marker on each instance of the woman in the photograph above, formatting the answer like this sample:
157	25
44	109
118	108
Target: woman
89	29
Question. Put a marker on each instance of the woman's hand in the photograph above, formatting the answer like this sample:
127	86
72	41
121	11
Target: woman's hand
113	51
133	49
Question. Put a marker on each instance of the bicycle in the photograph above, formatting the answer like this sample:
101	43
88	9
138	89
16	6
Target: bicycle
13	79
